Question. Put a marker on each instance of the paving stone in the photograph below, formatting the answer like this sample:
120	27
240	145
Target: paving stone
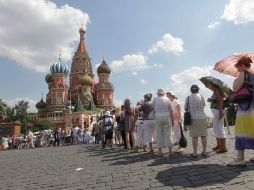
55	168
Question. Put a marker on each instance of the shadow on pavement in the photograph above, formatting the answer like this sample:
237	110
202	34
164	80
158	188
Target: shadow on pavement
199	175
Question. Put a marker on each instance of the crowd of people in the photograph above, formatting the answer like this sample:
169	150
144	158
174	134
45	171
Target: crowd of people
159	121
48	138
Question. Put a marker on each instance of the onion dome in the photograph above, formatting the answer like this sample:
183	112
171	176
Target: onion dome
103	68
41	104
81	30
87	80
59	67
104	85
48	78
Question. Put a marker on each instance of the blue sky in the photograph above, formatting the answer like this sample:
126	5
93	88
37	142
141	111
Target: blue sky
148	44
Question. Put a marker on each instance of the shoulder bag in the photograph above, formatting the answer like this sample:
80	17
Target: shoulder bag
244	95
187	115
182	141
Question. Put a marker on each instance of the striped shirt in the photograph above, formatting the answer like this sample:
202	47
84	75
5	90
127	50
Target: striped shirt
196	106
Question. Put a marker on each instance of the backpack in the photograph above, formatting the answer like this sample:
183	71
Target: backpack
108	121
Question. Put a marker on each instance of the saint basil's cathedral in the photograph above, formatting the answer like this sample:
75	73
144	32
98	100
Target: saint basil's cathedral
74	104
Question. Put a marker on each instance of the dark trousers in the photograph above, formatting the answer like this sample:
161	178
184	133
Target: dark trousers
56	142
124	139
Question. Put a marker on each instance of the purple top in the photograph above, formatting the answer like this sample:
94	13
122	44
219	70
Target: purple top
147	107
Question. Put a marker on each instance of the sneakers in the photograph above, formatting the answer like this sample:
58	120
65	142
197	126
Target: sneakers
237	163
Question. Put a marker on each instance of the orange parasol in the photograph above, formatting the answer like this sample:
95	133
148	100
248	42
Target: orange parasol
227	65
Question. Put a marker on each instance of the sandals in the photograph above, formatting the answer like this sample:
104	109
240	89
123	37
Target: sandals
204	154
237	163
151	152
194	155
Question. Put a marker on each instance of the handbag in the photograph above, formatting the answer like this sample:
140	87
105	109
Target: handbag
182	141
187	115
244	94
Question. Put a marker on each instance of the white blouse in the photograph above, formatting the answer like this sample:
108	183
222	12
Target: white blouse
196	106
161	104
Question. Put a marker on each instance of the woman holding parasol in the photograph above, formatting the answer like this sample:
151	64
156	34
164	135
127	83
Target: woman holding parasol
220	91
244	125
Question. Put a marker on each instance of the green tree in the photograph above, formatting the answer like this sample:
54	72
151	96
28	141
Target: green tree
11	114
21	114
38	125
3	108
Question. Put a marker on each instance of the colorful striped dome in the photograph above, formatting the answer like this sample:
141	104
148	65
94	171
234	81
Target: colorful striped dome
59	67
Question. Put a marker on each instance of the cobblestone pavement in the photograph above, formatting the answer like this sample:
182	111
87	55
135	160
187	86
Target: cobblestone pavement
90	167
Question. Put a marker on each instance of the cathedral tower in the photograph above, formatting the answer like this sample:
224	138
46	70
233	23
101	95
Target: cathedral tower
104	89
58	92
81	67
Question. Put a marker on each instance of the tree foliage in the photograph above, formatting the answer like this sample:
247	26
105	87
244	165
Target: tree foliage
39	125
19	112
3	108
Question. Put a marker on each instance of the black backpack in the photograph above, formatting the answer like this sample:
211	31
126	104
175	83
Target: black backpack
108	121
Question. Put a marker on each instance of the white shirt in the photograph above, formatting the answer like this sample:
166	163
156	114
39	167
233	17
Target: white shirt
196	106
161	104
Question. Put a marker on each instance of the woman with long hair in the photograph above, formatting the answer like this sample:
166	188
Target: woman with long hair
129	122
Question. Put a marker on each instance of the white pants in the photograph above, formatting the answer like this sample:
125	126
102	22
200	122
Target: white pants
163	130
177	131
149	131
218	124
139	134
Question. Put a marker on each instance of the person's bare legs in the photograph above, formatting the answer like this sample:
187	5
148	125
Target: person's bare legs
194	145
159	151
127	140
132	137
150	147
204	144
240	155
170	153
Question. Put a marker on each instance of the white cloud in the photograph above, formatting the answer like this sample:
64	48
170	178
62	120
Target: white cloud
168	43
32	32
213	25
239	11
132	62
158	66
32	103
143	81
134	73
